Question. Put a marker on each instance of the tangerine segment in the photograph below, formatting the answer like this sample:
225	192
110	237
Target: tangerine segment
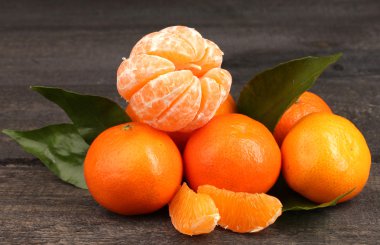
135	72
156	102
223	78
212	58
176	47
190	36
213	95
182	45
181	138
244	212
186	106
131	114
192	213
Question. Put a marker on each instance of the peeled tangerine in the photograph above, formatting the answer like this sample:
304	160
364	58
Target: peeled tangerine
173	80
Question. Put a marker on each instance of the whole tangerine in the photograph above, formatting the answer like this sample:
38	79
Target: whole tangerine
133	169
227	107
306	104
325	156
233	152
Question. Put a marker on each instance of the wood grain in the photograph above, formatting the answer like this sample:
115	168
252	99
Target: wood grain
37	207
79	44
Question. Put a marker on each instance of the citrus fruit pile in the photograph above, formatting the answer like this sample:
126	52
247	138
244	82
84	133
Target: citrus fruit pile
186	128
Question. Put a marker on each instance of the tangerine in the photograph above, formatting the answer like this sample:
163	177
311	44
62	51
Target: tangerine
233	152
325	156
306	104
133	169
173	80
227	107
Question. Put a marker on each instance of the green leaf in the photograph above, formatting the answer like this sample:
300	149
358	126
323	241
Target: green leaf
293	201
60	148
267	96
90	114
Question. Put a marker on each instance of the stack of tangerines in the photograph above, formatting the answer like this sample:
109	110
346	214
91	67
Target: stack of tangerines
178	98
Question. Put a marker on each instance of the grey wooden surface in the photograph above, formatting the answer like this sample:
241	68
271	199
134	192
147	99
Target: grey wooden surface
79	44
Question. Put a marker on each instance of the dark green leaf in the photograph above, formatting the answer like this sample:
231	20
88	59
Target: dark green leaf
59	147
293	201
267	96
90	114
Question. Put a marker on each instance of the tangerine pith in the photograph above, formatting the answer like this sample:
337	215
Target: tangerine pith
243	212
181	138
173	80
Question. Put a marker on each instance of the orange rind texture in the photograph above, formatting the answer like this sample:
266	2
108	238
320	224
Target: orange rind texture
306	104
173	80
324	156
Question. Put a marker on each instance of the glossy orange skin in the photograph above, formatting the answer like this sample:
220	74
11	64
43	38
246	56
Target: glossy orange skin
233	152
227	107
180	139
133	169
325	156
306	104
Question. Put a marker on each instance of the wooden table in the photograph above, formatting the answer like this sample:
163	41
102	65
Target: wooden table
79	44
